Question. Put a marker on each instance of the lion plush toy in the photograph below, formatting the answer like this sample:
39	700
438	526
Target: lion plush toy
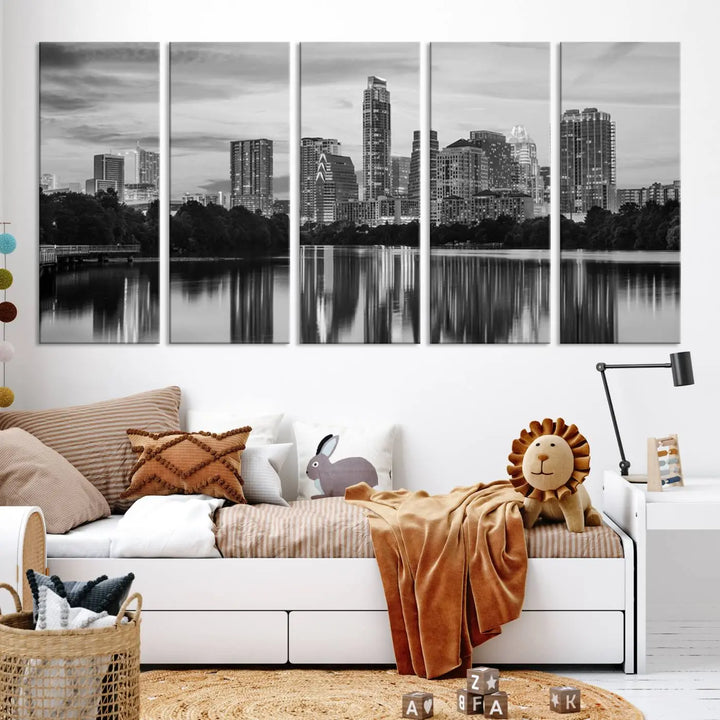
549	463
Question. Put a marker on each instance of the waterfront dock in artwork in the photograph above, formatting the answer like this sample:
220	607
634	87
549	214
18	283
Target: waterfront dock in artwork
54	255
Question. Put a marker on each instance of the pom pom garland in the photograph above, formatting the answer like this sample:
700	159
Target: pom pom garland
7	243
8	312
7	397
6	279
7	351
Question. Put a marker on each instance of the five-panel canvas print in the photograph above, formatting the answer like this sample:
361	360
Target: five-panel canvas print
375	186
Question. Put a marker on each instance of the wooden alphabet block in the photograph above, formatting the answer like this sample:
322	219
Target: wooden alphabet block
469	703
496	705
417	705
483	680
565	699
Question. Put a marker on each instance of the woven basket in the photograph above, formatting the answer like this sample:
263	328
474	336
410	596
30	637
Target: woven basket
90	674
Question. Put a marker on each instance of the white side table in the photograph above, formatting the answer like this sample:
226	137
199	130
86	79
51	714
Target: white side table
22	547
692	507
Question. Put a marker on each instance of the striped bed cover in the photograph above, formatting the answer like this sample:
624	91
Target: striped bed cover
332	528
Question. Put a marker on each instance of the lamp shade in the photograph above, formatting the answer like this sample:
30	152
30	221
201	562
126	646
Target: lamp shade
682	370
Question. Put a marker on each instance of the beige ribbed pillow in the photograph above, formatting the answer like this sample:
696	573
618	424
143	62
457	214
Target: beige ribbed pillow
93	437
34	474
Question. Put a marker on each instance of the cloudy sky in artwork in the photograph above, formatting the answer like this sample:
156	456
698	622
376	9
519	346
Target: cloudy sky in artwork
96	98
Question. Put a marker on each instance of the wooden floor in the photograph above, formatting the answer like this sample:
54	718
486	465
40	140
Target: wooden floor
683	677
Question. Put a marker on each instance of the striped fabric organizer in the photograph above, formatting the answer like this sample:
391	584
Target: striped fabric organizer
664	467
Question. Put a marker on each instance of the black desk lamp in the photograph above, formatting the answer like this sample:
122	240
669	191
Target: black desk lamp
682	373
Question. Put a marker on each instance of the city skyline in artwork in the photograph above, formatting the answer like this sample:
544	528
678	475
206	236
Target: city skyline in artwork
99	115
96	98
638	85
229	223
247	86
489	192
359	178
620	193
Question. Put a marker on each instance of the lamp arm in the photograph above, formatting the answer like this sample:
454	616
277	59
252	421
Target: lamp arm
601	367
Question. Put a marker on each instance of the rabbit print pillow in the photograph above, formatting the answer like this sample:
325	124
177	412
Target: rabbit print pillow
333	457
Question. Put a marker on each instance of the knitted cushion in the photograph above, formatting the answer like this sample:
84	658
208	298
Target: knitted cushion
101	594
187	463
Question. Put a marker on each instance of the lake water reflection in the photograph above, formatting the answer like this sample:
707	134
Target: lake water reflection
229	301
489	296
620	297
359	294
113	303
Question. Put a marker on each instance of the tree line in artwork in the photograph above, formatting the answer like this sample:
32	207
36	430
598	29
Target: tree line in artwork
71	218
650	227
345	232
198	230
502	232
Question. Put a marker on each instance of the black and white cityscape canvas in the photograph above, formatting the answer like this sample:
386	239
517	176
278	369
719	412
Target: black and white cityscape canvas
359	192
620	193
98	205
489	192
229	195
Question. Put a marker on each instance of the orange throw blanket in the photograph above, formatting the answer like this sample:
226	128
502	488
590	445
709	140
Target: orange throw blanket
453	568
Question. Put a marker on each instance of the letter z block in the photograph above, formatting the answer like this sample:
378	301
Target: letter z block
483	680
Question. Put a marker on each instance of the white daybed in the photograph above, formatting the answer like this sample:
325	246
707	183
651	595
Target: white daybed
333	611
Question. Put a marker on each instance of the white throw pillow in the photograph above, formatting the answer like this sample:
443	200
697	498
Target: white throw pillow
372	444
259	469
264	427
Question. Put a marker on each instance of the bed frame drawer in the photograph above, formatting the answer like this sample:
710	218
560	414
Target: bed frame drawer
219	637
340	637
535	638
538	638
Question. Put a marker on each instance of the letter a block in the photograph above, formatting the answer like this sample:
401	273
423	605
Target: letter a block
468	703
417	705
496	706
565	699
483	680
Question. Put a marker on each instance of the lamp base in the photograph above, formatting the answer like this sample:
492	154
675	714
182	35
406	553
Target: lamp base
636	478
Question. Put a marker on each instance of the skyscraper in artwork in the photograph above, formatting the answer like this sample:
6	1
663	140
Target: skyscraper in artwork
251	174
587	161
147	166
376	139
311	148
108	173
527	169
414	176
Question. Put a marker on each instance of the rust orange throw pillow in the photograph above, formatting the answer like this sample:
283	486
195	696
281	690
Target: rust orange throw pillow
172	463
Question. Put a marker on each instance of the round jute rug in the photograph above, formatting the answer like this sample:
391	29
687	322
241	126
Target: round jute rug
287	694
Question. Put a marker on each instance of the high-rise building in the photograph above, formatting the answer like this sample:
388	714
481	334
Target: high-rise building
335	183
140	194
524	153
310	150
462	171
499	155
545	177
655	193
48	181
414	176
147	166
108	172
587	161
251	174
376	139
399	175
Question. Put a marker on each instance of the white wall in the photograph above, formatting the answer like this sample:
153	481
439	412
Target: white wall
458	407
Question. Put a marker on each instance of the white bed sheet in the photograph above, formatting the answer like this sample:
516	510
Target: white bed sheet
89	540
